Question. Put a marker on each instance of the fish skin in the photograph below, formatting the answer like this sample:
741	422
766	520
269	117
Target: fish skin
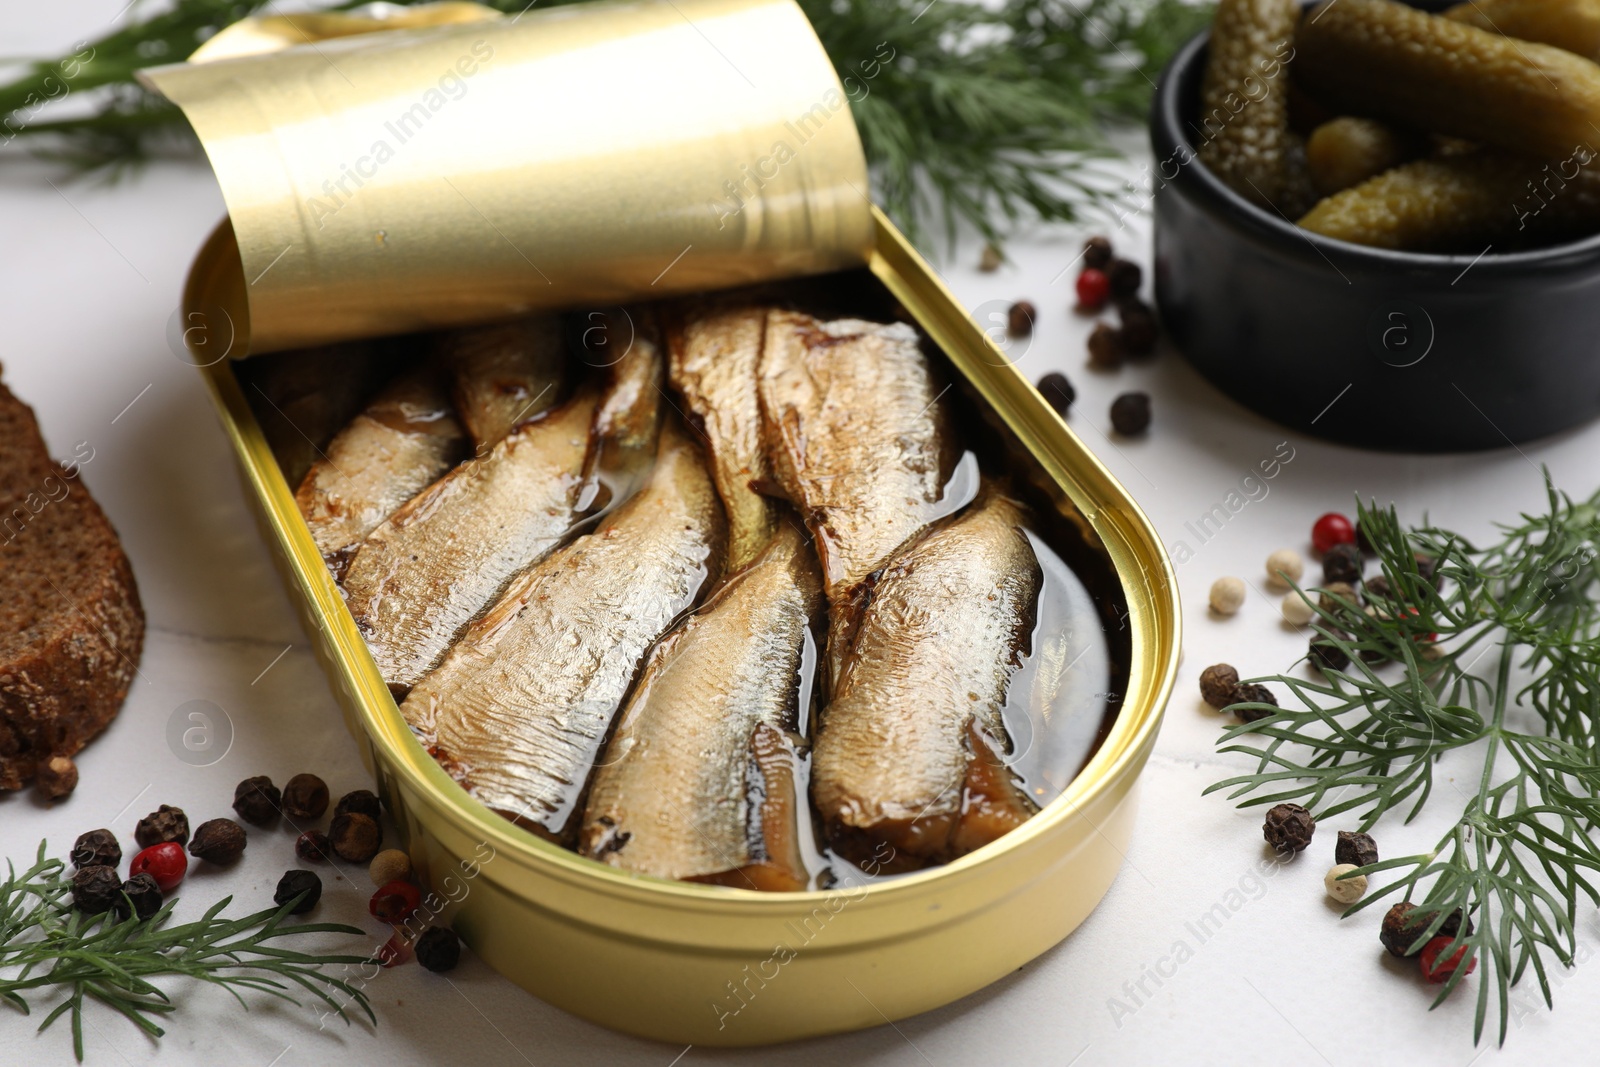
858	438
506	373
433	566
716	362
392	450
518	709
905	752
698	782
627	426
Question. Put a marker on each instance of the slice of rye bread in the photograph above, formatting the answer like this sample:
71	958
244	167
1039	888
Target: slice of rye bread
71	626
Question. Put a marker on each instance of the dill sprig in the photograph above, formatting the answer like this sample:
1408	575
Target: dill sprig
47	945
1513	677
992	115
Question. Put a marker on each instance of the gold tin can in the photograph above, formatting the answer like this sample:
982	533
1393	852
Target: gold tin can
689	963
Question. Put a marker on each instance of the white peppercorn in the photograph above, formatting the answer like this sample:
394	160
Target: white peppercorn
1296	610
390	865
1284	567
1344	890
1227	595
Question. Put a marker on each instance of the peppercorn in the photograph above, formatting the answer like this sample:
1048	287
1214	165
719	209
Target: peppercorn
1296	610
1019	320
1327	655
390	865
1254	693
364	801
1125	277
293	884
1218	683
145	894
1436	970
219	841
258	801
167	823
1057	391
1130	413
1097	252
1332	529
1377	586
1363	542
355	837
165	862
1284	568
1342	563
1288	828
1093	288
990	258
395	951
1227	596
1139	329
394	902
1427	569
1344	890
1359	849
1405	923
96	848
1105	347
56	777
95	888
312	846
439	949
305	796
1338	596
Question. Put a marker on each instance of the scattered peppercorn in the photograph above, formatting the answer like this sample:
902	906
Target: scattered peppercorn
96	848
1359	849
1097	252
1398	932
1427	569
166	823
1227	596
165	862
1436	970
144	893
1288	828
390	865
95	888
355	837
395	951
1332	529
219	841
1377	586
1284	568
1139	329
1019	320
364	801
1327	655
1094	289
258	801
56	777
394	902
1338	596
1342	563
313	847
1254	693
293	884
1344	890
305	796
1217	685
1125	277
1130	413
990	258
1297	611
1057	391
1105	347
439	949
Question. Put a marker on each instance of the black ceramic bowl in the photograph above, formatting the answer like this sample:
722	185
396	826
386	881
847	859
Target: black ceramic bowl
1391	350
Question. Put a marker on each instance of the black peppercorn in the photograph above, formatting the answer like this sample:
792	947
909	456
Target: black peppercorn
1218	683
219	841
167	823
95	888
1342	563
1288	828
438	949
1254	693
1404	924
145	894
258	801
1130	414
294	883
305	796
364	801
1125	277
355	837
1057	391
1428	569
1139	330
1105	347
1377	586
1326	655
96	848
312	846
1019	320
1097	252
1359	849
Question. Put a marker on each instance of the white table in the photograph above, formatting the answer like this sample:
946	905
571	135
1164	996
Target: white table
89	279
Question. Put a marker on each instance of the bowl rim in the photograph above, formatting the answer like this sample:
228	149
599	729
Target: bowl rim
1169	139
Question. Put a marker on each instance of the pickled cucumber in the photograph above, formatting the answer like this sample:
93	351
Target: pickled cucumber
1463	203
1347	151
1570	24
1244	120
1393	62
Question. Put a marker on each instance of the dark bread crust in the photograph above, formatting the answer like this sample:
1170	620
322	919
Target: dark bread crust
71	625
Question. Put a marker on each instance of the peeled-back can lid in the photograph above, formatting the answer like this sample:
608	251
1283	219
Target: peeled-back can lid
418	178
